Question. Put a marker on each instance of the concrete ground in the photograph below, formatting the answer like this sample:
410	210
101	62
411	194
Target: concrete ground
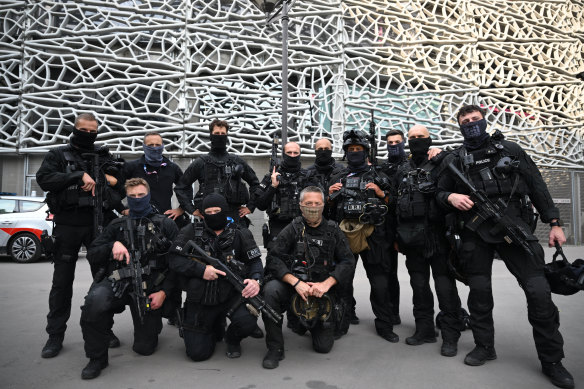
359	360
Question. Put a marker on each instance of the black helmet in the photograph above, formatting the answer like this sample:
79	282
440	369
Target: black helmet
564	277
355	137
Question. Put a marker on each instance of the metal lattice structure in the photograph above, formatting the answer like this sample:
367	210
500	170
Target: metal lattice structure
172	65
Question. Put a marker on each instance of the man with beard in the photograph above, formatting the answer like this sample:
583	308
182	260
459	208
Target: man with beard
509	178
66	173
358	197
421	237
219	172
309	259
210	296
152	235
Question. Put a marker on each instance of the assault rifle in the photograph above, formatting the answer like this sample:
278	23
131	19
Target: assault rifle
138	293
274	161
372	140
255	304
97	172
486	210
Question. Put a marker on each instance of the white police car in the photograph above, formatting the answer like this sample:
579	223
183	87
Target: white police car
22	220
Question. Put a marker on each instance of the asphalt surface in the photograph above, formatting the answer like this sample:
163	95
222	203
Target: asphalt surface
359	360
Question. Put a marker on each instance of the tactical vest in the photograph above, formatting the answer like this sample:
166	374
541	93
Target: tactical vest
357	201
285	203
484	169
313	255
224	177
416	193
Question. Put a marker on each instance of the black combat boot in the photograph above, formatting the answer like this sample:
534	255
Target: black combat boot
420	337
114	342
449	349
558	374
233	350
53	346
353	319
273	358
388	335
93	369
479	355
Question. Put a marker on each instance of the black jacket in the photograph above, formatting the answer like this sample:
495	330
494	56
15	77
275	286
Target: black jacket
54	176
160	179
333	249
196	172
235	241
100	251
530	181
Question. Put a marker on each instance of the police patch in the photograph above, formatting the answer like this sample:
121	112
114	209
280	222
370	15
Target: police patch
254	253
317	242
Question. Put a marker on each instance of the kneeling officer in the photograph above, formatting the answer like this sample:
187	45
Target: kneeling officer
210	295
138	276
310	256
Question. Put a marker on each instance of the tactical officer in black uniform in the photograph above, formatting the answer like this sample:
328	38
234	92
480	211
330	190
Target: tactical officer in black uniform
160	173
152	235
508	176
324	167
219	172
395	156
210	297
358	197
67	174
421	237
279	192
310	256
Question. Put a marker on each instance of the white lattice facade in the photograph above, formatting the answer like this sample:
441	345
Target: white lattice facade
173	65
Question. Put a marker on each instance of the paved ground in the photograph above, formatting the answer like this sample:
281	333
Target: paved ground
359	360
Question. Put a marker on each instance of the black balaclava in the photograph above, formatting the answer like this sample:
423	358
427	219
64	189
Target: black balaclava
139	207
83	140
474	133
217	221
357	161
324	160
218	143
419	148
396	152
291	164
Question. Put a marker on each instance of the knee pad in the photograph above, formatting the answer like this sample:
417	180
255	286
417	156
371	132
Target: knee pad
145	348
97	302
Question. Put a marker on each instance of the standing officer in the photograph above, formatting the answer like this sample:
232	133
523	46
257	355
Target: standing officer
152	234
395	156
324	166
210	296
421	237
279	192
218	172
160	173
66	174
508	176
310	256
358	197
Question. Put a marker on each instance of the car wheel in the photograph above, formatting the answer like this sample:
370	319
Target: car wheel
25	248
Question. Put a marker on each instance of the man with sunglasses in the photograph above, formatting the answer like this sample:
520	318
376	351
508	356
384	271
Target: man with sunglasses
67	175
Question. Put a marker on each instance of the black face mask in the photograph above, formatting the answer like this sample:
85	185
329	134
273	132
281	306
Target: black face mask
218	143
420	146
324	157
291	164
474	133
217	221
357	160
83	140
396	152
139	207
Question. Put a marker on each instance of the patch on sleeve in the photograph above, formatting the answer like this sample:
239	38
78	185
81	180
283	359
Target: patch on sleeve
255	252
